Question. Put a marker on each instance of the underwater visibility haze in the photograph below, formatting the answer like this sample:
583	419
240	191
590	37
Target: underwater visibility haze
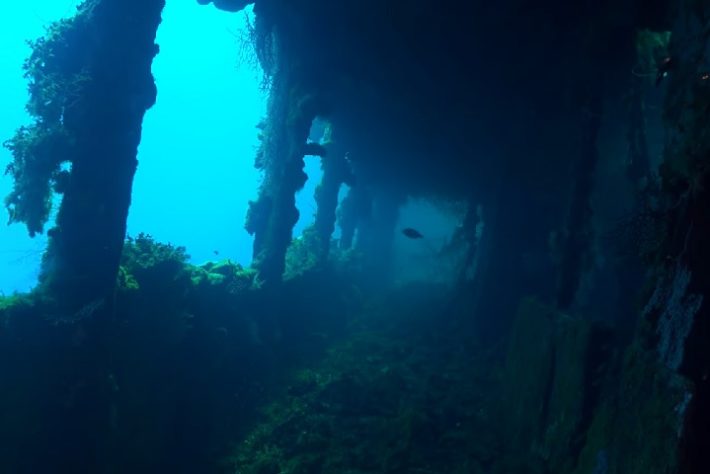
355	237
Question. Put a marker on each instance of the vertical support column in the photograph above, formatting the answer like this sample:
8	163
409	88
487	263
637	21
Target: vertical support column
577	246
336	172
271	218
376	236
91	79
353	210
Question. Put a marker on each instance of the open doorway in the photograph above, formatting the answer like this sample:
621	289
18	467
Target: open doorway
195	174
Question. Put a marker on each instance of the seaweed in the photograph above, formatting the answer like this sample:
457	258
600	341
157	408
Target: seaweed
56	84
388	398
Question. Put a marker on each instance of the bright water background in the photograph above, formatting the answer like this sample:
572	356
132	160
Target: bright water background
195	174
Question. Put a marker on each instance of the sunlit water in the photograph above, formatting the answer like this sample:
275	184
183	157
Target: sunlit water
195	174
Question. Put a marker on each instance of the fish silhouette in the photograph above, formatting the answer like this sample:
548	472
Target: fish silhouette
412	233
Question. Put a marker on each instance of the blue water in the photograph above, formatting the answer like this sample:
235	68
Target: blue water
195	174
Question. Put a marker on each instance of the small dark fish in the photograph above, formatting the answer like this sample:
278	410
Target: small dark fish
412	233
216	252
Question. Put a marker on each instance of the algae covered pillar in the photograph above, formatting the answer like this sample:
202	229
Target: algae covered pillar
354	209
272	216
336	172
578	244
292	106
90	84
376	234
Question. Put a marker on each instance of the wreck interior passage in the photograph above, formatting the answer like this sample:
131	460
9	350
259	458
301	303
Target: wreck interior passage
355	237
432	257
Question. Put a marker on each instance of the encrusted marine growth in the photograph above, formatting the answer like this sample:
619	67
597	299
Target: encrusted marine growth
336	172
353	210
227	5
292	107
678	310
56	82
90	84
271	218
